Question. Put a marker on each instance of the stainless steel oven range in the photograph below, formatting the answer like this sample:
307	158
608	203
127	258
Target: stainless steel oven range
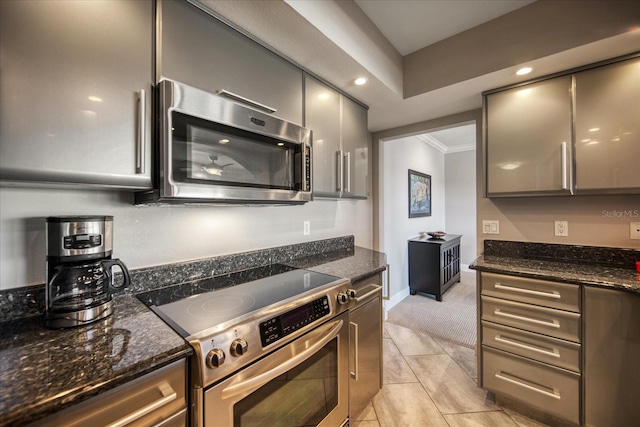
271	346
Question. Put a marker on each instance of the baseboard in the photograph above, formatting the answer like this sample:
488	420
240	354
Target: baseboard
395	300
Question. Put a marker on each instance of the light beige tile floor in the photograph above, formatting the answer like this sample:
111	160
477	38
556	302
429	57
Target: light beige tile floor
431	382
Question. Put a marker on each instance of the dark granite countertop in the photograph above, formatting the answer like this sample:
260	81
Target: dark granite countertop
43	371
354	263
582	265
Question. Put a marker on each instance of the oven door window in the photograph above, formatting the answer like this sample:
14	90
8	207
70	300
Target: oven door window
206	152
303	396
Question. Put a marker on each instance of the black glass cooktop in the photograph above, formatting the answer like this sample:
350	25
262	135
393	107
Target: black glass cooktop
195	306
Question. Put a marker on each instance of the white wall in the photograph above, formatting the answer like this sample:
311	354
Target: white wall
460	204
399	156
146	236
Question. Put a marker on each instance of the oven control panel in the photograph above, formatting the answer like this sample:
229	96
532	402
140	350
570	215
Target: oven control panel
278	327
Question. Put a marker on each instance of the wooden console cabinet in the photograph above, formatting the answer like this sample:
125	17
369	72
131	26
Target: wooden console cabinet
434	264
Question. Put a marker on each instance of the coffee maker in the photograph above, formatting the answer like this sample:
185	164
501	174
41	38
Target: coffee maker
79	274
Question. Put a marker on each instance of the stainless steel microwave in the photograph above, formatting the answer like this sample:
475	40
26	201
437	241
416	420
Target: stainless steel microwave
212	149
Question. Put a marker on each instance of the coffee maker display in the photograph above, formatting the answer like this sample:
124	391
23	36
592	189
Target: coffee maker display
79	273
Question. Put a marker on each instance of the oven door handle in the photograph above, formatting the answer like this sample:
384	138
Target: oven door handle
247	386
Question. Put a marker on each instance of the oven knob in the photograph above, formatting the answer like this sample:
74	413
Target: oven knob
343	298
352	293
239	347
215	358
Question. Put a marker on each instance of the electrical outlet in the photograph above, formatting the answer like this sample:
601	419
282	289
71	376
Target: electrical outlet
490	227
307	228
562	228
634	230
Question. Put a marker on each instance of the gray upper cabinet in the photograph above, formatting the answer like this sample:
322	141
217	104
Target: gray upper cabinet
75	78
528	139
607	126
340	142
577	133
199	50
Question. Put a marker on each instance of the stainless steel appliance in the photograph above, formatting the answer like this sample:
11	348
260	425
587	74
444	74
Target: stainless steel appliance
214	149
79	281
271	346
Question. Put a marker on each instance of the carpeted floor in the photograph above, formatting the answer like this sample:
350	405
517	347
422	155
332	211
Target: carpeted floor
453	319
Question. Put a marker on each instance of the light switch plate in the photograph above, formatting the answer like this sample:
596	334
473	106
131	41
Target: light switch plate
306	228
490	227
634	230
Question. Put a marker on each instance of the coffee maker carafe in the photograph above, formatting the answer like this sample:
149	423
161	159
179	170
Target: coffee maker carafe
79	270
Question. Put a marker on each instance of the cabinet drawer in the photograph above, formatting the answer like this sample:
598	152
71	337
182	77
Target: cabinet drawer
552	390
563	354
547	321
533	291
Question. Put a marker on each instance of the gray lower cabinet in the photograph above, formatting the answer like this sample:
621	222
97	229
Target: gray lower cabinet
531	343
197	49
365	332
340	142
612	357
155	399
75	83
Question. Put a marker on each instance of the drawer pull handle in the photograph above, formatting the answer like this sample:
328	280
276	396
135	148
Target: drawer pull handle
551	324
549	352
250	102
555	295
168	394
515	380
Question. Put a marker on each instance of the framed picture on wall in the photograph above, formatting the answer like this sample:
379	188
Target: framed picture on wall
419	194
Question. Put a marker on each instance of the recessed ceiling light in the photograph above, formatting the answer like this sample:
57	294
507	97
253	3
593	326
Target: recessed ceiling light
224	141
95	99
524	70
360	81
323	95
594	129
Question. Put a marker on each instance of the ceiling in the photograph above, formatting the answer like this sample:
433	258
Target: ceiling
338	40
413	24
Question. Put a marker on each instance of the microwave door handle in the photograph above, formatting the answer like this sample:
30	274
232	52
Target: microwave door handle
246	387
250	102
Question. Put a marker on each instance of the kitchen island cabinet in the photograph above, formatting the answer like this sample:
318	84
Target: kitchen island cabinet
198	50
75	83
340	142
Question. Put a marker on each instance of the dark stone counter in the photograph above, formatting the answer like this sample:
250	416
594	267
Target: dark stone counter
43	371
582	265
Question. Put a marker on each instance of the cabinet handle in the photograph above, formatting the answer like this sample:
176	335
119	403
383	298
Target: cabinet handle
142	131
551	324
347	160
339	170
250	102
564	171
549	352
354	373
168	394
555	294
517	381
386	283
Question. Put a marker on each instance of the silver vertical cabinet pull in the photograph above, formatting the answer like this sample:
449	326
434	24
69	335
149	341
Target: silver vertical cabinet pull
347	161
142	131
564	166
339	171
354	373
